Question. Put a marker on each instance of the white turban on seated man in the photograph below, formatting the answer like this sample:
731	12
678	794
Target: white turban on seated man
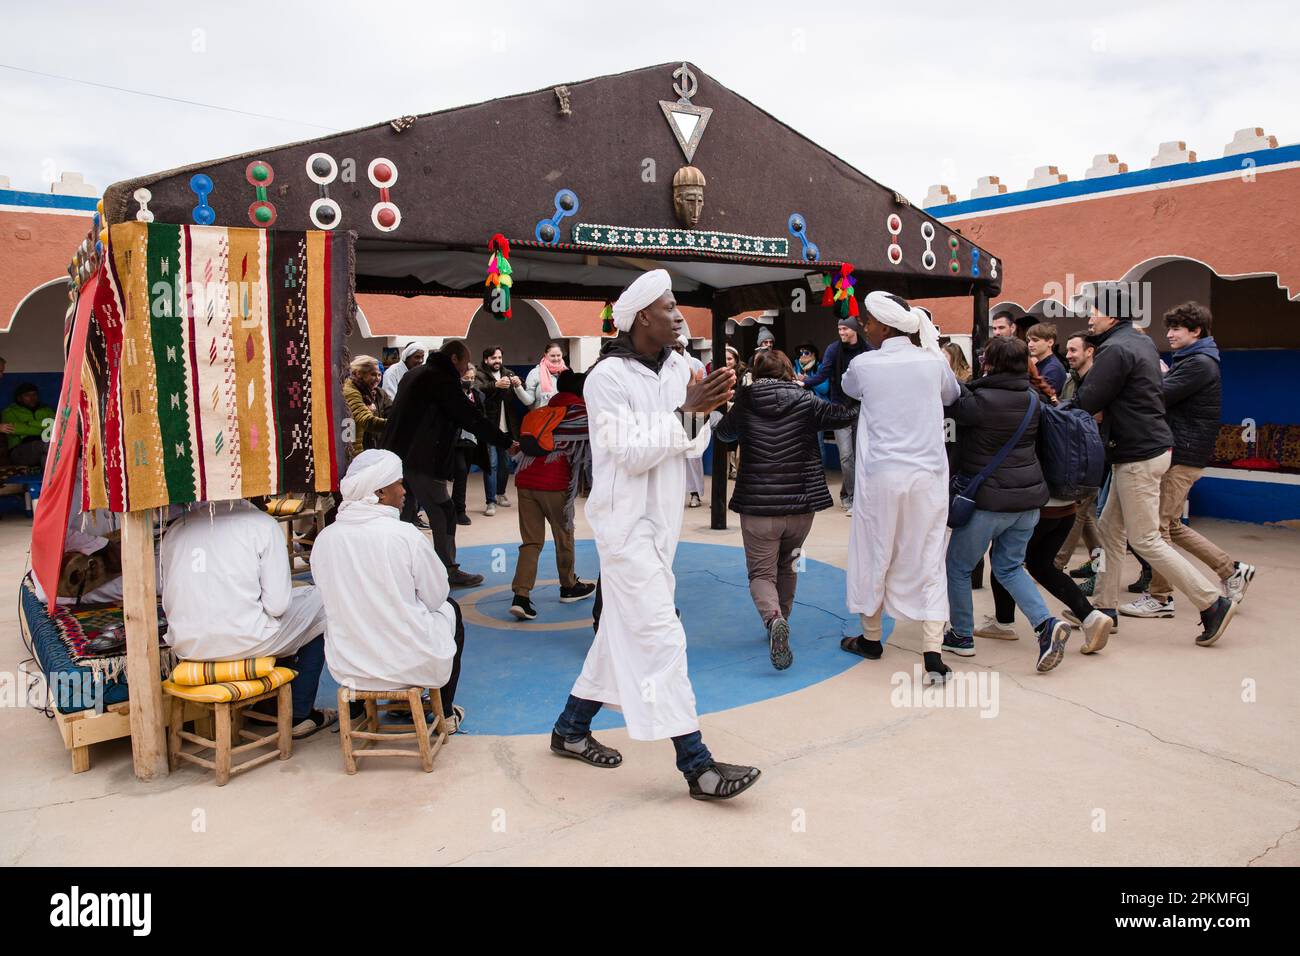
389	621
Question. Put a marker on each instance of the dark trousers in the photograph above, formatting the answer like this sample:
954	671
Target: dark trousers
429	493
575	723
461	477
497	477
309	661
449	689
1040	561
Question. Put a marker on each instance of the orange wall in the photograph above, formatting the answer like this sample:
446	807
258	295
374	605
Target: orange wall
35	248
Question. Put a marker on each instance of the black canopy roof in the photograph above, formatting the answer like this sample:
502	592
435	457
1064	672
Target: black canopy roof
454	178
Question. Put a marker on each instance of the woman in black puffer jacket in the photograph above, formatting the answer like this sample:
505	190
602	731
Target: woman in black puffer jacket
780	483
987	414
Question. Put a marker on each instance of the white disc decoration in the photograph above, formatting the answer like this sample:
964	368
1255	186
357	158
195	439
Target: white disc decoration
895	226
380	207
322	169
320	213
928	258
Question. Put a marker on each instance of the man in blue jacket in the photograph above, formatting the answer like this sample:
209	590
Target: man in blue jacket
1041	339
1193	398
834	362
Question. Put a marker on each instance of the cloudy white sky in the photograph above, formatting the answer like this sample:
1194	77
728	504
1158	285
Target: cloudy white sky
911	94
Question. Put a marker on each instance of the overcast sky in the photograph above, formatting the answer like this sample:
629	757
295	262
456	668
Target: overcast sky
910	98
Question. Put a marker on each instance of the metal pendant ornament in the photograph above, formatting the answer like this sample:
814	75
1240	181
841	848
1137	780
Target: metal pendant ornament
685	119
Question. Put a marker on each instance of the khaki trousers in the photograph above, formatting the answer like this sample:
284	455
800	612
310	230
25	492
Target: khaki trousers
770	546
1132	514
537	509
873	629
1174	488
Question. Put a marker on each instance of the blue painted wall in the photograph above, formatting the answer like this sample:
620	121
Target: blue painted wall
1263	384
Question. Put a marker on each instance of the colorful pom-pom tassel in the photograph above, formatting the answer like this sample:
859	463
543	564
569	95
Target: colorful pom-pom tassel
607	319
499	281
841	294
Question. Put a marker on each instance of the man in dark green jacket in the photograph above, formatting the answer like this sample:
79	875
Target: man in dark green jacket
25	425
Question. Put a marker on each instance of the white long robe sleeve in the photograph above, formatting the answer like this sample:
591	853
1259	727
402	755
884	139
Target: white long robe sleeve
388	622
392	378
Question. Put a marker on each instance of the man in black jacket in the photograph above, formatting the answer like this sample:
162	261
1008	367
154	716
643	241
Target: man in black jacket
500	388
1193	399
1125	389
423	426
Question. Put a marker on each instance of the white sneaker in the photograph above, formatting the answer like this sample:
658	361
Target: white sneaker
695	501
1097	628
503	501
1234	586
1149	607
491	509
992	628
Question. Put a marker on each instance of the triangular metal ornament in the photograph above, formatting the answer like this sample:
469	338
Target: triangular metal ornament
687	122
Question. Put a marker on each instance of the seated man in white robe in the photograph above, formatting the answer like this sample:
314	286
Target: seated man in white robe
228	595
897	539
390	622
637	663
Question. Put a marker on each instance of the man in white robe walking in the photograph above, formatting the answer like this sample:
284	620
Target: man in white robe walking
390	622
897	540
638	660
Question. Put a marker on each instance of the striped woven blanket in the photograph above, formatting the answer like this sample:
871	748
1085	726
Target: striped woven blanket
214	363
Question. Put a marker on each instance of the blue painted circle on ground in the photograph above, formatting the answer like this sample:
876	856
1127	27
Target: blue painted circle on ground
515	678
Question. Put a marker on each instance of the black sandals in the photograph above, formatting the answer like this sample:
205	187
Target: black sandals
593	752
724	780
857	644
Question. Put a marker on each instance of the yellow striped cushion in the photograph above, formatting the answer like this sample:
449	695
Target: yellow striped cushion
227	691
197	673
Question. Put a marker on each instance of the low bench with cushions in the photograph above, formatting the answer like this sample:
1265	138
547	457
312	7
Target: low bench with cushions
87	695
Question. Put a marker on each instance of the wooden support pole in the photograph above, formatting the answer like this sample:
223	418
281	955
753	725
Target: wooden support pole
140	608
718	494
979	326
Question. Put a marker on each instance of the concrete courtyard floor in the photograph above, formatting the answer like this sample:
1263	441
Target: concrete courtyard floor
1154	752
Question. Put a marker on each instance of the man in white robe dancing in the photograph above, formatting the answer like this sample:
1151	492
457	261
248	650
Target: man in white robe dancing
900	513
638	660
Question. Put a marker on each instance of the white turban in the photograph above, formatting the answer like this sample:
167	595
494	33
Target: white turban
639	295
371	470
889	309
411	349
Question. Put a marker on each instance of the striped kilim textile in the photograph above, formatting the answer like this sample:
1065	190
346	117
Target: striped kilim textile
198	673
214	364
231	690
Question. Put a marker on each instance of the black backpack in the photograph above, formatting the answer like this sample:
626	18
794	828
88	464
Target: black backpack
1070	452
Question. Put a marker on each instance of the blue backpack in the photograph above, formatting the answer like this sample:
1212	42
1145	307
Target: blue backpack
1070	452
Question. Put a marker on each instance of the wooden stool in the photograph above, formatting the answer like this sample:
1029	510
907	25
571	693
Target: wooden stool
428	740
229	727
